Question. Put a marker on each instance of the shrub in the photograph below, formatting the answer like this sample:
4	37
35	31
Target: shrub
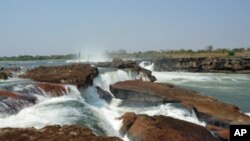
231	52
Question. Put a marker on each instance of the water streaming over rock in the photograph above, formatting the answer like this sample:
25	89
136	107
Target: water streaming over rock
82	107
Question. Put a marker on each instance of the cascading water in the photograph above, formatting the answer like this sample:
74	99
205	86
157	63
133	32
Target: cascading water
147	65
107	78
84	107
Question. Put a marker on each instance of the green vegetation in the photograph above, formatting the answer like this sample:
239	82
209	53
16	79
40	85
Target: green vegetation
208	51
231	52
38	57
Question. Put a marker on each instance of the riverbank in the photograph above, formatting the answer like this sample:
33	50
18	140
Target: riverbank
204	64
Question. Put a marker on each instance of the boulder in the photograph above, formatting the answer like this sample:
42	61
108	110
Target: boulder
53	90
105	95
208	109
81	75
52	133
161	128
3	76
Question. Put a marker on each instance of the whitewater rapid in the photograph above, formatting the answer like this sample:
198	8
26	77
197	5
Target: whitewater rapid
85	108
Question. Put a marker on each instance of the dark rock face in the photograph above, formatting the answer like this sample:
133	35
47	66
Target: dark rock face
52	133
104	95
3	76
80	75
160	128
207	108
12	102
227	65
120	64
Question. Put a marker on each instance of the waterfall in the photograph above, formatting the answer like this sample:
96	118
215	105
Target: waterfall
107	78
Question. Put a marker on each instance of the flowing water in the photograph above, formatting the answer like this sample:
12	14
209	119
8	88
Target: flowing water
85	108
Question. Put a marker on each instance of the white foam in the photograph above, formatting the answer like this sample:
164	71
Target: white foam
147	65
43	114
105	79
168	110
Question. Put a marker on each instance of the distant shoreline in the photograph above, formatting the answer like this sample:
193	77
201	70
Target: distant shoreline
38	57
123	54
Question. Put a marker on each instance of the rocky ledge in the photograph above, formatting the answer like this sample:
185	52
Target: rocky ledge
160	128
208	109
5	73
17	96
52	90
204	64
128	64
52	133
80	75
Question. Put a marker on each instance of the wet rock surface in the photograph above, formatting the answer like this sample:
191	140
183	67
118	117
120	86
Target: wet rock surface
161	128
81	75
104	94
5	73
53	90
222	133
17	96
52	133
3	76
208	109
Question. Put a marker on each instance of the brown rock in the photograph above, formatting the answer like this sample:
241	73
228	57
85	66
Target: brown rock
17	96
53	90
207	108
80	75
104	94
128	64
160	128
128	120
52	133
222	133
204	64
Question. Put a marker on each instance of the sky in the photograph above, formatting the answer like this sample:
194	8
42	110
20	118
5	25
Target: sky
45	27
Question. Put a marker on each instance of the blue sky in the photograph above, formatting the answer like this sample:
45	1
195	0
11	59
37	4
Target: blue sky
40	27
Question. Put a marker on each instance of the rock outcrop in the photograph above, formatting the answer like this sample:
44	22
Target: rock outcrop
105	95
3	76
5	73
204	64
208	109
12	102
128	64
221	133
53	90
17	96
52	133
80	75
160	128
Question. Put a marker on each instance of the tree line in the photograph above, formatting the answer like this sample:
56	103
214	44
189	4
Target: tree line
38	57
